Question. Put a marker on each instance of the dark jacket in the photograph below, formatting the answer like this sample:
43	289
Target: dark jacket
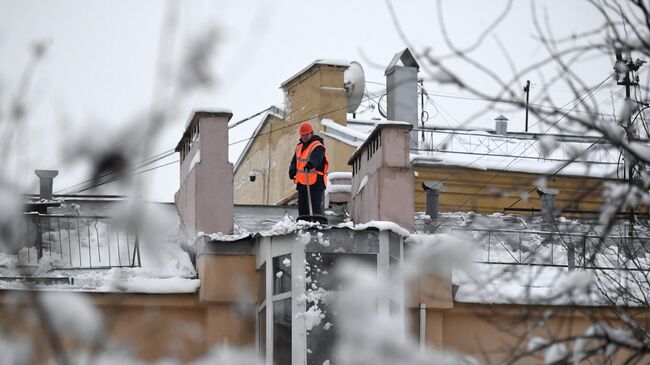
317	159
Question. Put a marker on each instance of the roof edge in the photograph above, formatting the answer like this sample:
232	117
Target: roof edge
375	132
319	62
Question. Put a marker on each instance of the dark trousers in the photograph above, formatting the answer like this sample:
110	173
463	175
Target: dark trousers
316	202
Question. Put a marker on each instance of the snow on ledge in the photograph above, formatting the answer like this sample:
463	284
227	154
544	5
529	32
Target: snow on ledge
331	189
339	175
380	225
174	285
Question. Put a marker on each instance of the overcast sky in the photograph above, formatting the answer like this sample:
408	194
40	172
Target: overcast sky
99	71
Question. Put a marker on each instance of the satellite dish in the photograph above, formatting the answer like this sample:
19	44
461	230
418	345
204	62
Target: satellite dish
354	82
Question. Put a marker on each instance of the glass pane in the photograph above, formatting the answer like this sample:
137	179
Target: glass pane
261	296
322	338
282	332
320	268
320	274
281	274
261	317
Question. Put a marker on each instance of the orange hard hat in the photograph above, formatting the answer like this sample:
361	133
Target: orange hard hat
305	128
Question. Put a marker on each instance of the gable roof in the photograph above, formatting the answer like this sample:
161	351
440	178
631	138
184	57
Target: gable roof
271	111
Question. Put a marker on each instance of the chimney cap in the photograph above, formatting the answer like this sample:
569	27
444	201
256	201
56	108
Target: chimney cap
375	132
46	173
407	60
197	114
432	185
541	191
501	118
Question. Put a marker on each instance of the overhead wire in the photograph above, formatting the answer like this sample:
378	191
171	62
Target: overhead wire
580	99
145	162
118	177
110	177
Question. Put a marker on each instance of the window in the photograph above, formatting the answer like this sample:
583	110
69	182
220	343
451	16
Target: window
319	271
261	320
261	297
282	331
281	274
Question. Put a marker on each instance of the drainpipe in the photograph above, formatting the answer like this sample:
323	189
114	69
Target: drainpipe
432	189
423	326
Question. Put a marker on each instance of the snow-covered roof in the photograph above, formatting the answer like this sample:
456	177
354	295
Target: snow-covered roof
532	153
326	62
514	260
208	111
85	250
567	155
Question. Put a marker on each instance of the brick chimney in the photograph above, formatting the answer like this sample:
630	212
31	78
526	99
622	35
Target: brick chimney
205	197
318	92
382	179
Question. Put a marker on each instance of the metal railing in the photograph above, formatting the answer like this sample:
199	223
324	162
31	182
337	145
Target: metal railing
78	242
563	249
457	142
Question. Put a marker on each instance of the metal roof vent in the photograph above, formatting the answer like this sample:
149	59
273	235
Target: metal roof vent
46	179
501	125
402	91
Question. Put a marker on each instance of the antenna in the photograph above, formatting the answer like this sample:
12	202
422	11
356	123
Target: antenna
355	85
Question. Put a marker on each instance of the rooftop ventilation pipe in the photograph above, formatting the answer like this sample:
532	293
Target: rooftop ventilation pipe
501	125
402	91
432	189
46	179
548	206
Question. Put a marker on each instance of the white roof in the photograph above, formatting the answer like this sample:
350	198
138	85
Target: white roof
483	150
327	62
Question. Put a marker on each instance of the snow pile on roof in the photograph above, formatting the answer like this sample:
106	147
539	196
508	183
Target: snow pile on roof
338	188
546	154
166	265
339	175
342	133
380	225
238	234
288	225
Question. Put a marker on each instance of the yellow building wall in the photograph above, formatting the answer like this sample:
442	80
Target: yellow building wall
487	191
319	94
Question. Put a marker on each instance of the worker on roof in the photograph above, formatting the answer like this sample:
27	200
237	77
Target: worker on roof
310	154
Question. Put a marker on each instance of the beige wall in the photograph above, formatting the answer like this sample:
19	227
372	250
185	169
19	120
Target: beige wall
151	326
486	191
156	326
317	93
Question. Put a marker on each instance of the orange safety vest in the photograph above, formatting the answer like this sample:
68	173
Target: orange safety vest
301	160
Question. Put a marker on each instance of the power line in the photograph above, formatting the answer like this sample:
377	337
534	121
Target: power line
118	177
506	140
580	101
147	161
319	115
